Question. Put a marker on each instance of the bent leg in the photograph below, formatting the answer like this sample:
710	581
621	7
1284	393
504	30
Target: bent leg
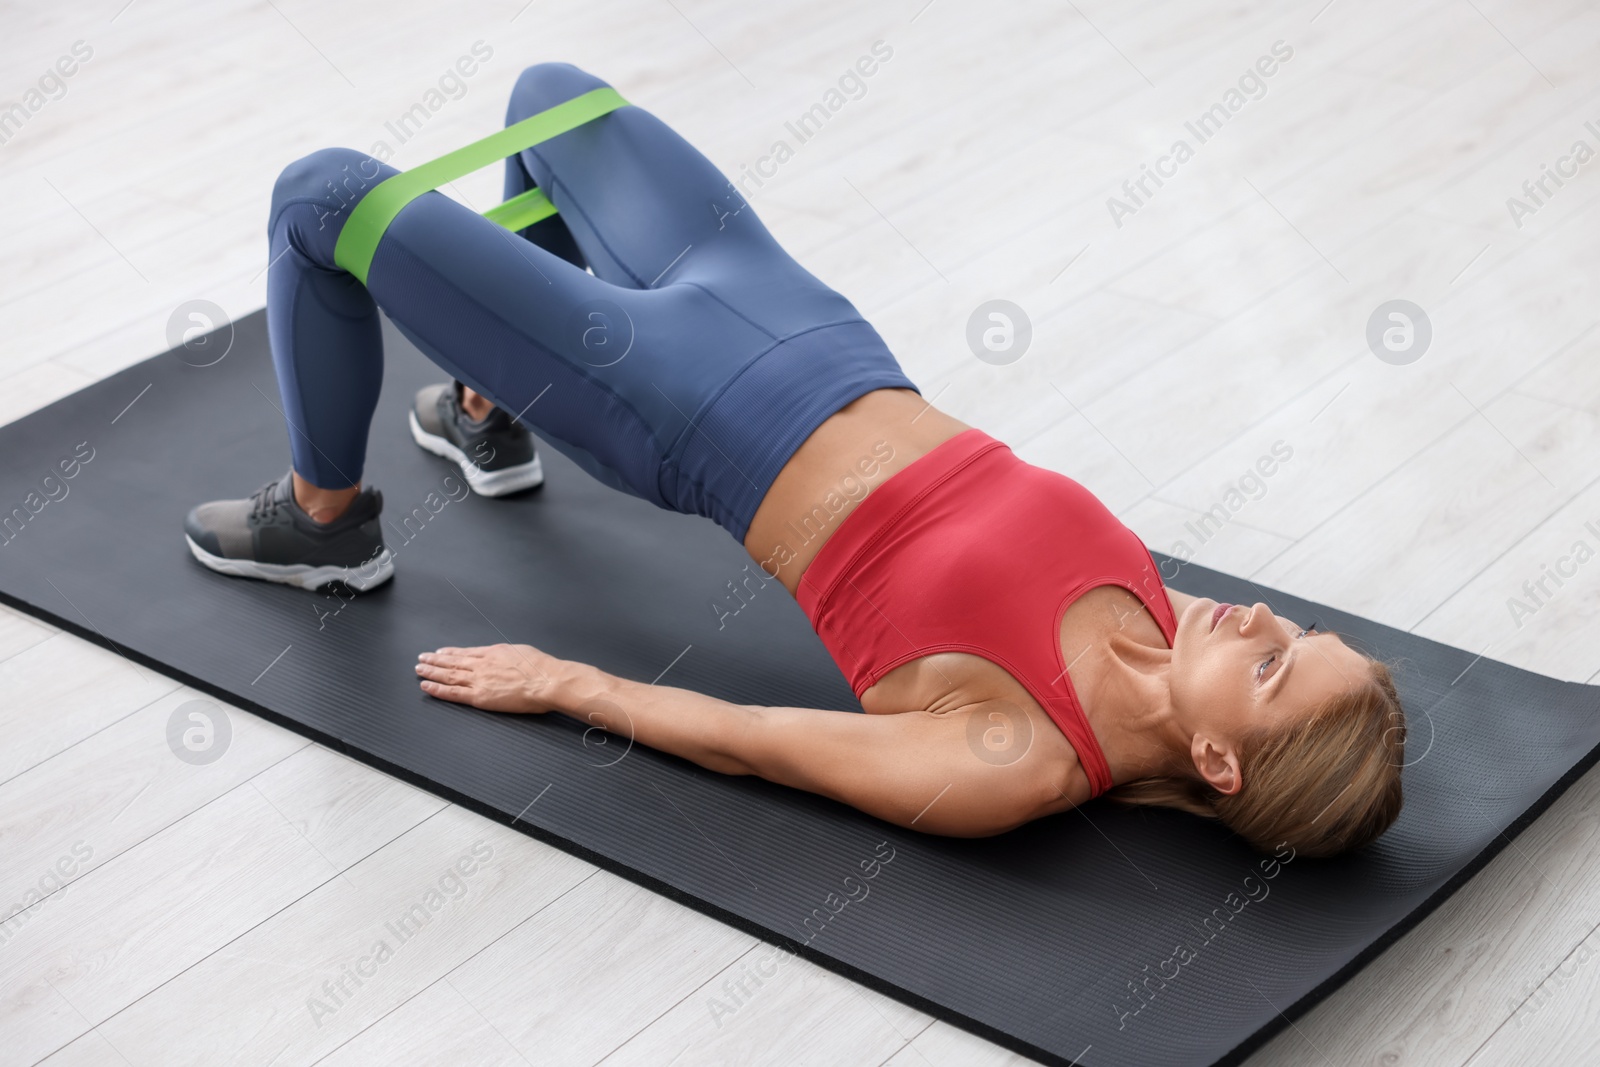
550	234
322	324
647	209
633	193
684	375
544	340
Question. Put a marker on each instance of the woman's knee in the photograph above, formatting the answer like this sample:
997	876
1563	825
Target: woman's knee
316	193
544	85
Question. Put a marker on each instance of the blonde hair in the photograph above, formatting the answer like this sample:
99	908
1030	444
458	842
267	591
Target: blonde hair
1325	783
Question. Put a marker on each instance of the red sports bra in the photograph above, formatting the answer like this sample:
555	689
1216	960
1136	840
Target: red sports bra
970	549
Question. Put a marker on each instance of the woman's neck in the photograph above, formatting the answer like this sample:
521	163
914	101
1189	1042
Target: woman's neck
1123	688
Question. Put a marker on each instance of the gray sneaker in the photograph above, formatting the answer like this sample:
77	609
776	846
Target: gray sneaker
496	456
268	536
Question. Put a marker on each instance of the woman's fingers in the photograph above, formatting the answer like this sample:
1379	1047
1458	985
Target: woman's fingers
451	656
502	677
454	693
447	675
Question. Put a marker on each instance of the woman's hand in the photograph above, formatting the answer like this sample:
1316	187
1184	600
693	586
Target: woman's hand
516	678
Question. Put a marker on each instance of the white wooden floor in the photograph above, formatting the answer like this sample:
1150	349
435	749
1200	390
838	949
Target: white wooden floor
203	908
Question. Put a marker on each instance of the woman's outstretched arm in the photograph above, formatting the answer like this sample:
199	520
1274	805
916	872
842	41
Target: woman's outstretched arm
917	769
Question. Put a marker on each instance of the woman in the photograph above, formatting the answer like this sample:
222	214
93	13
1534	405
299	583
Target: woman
1012	642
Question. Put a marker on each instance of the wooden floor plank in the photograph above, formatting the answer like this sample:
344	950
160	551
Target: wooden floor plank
768	1005
300	984
612	958
117	788
437	1025
132	925
62	690
19	632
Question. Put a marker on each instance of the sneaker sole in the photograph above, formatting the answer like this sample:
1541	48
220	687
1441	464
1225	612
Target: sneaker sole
303	575
484	483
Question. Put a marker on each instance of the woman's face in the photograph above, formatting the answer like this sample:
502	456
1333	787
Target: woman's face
1235	668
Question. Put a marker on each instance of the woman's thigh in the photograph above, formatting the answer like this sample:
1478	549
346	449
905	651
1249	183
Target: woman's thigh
612	377
648	210
652	215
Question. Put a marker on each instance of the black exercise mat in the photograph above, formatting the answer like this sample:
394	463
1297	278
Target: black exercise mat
1038	939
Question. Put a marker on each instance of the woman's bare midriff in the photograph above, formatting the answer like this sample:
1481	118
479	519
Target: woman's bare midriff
844	460
853	452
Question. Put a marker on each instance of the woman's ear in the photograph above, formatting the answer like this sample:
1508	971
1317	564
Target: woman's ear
1217	764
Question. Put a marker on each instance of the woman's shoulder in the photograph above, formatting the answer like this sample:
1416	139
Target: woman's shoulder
1180	601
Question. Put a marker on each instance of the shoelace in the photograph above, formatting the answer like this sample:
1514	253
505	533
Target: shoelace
264	502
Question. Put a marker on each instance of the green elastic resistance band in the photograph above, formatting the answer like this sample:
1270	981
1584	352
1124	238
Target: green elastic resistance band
522	211
358	241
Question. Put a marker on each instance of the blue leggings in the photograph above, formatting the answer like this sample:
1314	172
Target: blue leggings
685	370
